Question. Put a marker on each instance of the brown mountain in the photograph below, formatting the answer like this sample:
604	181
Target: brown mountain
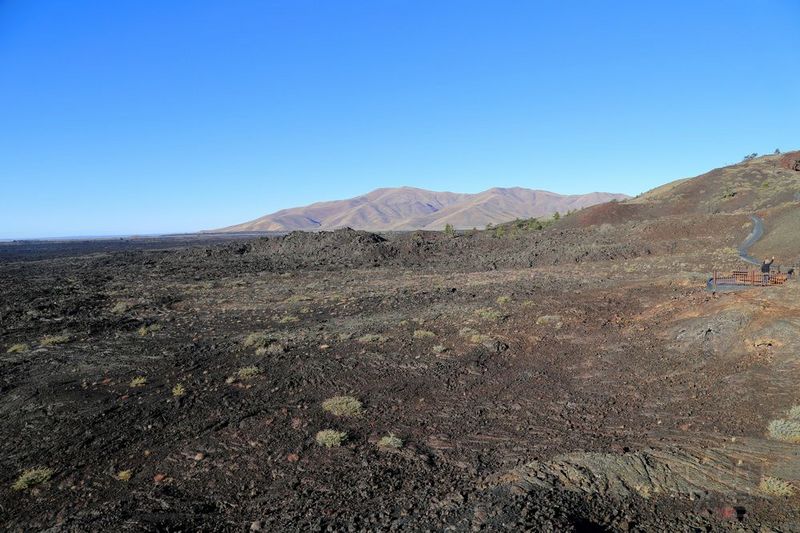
408	208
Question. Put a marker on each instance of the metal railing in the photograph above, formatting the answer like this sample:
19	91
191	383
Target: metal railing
754	278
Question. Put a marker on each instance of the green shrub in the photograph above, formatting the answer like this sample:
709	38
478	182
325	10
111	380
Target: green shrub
343	406
178	390
331	438
423	334
32	477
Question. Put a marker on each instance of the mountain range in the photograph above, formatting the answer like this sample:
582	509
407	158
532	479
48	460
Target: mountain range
409	208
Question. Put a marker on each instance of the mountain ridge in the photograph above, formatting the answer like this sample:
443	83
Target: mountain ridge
410	208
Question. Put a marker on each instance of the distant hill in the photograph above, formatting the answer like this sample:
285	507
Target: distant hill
409	208
761	184
768	186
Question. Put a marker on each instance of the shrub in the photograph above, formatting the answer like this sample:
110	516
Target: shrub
474	336
138	381
488	313
248	372
52	340
288	319
20	347
257	340
794	412
785	430
390	441
152	328
124	475
546	320
466	332
274	348
178	390
331	438
502	300
423	334
439	348
120	307
32	477
772	486
449	230
343	406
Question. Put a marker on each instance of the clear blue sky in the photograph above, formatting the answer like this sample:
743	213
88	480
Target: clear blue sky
120	117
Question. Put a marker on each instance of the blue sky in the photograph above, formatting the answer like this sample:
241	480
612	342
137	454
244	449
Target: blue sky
149	116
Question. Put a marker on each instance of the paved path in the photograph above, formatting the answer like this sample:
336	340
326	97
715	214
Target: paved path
755	234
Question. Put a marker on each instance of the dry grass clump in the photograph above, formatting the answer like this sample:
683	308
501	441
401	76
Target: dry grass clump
785	430
473	336
549	320
138	381
772	486
439	348
288	319
343	406
466	332
124	475
145	330
20	347
502	300
257	340
794	412
178	390
274	348
390	441
372	337
423	334
487	313
52	340
248	372
331	438
121	307
32	477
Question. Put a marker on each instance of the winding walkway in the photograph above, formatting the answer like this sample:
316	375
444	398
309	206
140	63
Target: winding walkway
755	234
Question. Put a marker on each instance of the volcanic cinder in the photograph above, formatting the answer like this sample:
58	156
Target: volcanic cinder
576	376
